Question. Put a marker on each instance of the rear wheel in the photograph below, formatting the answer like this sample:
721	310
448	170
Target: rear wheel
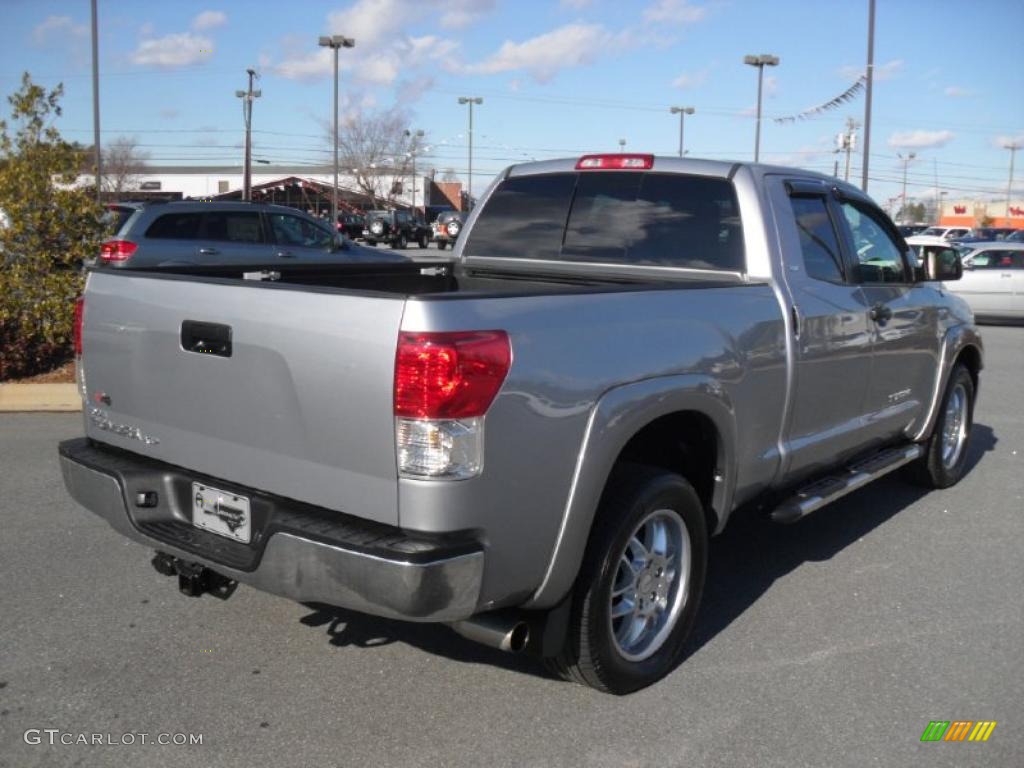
637	593
402	242
945	458
424	241
441	245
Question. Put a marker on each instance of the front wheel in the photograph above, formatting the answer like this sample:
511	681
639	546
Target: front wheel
441	245
640	584
424	241
945	458
402	242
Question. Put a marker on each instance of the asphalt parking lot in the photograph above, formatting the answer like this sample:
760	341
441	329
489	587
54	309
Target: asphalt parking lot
829	643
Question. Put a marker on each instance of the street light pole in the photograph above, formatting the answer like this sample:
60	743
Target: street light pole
762	61
471	100
412	152
906	161
682	112
335	42
867	96
1013	146
96	103
247	99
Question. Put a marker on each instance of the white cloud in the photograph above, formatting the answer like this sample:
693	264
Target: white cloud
209	20
175	50
691	79
578	5
956	91
544	55
54	27
370	22
461	13
673	12
308	66
771	85
920	139
886	71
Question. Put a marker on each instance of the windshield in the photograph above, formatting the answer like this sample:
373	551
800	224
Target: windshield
612	217
934	231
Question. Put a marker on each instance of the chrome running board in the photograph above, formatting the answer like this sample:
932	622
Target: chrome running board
826	490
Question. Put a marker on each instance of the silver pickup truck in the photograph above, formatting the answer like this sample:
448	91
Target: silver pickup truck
534	443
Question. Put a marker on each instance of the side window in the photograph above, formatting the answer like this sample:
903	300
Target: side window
818	241
879	259
293	230
175	226
232	226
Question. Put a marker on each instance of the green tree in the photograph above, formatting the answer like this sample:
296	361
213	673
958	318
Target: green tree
48	226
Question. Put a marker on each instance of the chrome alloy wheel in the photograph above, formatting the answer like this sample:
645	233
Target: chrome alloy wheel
651	585
954	427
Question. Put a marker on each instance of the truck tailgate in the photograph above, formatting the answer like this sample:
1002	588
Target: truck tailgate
301	408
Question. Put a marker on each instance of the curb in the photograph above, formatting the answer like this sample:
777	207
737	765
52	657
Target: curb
39	397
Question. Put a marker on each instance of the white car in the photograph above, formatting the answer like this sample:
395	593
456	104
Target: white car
993	281
938	235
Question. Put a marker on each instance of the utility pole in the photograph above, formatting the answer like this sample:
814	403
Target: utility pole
413	136
335	42
247	98
470	100
906	161
96	103
1013	146
867	97
682	112
847	141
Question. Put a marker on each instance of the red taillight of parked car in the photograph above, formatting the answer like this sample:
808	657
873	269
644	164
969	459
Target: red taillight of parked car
449	375
79	318
117	250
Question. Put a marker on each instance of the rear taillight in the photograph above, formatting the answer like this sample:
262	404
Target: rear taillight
117	250
622	162
444	384
79	317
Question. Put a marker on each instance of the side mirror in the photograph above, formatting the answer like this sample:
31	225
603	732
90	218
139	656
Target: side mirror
942	264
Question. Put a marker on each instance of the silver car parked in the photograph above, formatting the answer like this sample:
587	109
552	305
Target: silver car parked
993	280
220	233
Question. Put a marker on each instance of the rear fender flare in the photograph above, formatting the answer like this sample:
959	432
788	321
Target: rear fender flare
619	415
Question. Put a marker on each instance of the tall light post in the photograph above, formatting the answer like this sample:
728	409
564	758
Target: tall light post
762	61
906	161
247	98
622	146
1013	146
682	112
470	100
413	136
336	42
96	103
870	74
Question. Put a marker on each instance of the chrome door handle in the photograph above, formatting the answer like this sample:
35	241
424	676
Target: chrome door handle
285	255
208	251
880	313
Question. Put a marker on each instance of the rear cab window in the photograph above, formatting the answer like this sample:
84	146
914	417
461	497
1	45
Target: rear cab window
613	217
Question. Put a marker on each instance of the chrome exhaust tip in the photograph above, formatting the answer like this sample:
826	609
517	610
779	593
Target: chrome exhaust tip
506	633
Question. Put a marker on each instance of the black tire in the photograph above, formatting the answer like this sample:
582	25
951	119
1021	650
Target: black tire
402	242
441	244
591	655
371	242
931	470
424	241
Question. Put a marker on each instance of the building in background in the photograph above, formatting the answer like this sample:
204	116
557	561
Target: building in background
978	213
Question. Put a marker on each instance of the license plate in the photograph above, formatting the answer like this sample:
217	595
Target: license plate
221	512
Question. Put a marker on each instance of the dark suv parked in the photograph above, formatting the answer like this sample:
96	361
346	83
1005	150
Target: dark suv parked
396	228
447	227
169	234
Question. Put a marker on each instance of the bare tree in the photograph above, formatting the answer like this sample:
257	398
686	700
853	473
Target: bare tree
449	175
375	150
123	163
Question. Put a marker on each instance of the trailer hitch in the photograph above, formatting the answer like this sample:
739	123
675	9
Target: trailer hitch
194	579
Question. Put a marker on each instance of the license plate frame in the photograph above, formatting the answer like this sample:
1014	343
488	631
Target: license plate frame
224	513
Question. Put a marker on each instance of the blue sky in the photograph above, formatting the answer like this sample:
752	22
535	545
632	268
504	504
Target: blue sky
558	78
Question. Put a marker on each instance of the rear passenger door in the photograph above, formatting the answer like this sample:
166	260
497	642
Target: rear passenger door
298	238
232	237
987	284
832	334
